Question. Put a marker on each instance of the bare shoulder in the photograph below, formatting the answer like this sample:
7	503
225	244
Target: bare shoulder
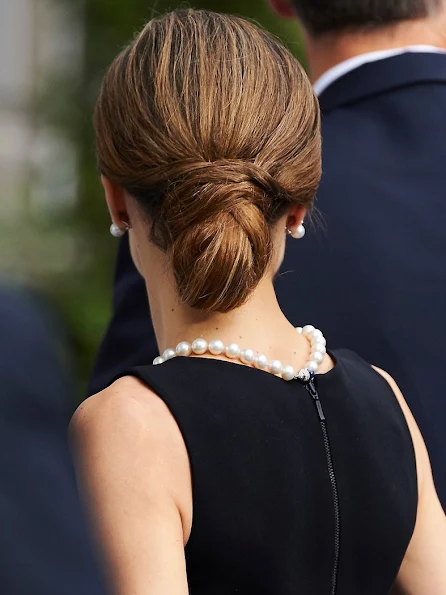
423	570
422	457
126	427
126	406
399	395
125	438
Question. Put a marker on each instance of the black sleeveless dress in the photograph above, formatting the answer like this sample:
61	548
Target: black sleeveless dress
297	489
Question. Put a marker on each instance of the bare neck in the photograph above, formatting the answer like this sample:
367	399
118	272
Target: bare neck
259	324
327	51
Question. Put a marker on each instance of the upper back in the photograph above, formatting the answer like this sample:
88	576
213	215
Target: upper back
264	515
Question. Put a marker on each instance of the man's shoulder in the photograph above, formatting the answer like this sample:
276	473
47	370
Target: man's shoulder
401	77
397	126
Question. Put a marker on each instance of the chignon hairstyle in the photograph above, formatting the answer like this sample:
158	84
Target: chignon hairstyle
213	127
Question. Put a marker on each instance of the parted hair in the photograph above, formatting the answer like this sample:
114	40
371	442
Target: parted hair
326	16
213	127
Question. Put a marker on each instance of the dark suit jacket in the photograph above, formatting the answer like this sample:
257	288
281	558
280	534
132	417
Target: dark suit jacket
373	278
45	547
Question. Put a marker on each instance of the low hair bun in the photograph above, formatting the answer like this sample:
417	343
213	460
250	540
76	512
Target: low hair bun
216	215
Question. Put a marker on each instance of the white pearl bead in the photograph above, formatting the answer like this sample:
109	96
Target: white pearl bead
288	373
299	329
316	334
317	357
232	351
116	231
299	232
318	339
183	349
216	347
169	354
261	362
247	356
199	346
275	367
308	329
312	366
320	347
158	360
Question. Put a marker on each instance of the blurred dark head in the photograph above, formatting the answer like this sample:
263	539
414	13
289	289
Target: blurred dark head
330	16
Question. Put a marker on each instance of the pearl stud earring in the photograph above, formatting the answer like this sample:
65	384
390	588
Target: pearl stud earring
118	232
297	233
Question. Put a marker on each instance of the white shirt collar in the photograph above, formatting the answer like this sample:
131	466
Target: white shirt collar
341	69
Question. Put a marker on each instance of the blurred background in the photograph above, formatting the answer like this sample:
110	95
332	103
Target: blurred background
54	237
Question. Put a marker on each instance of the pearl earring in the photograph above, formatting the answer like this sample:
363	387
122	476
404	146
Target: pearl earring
118	232
297	233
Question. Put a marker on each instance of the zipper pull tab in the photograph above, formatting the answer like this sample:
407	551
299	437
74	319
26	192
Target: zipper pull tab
315	396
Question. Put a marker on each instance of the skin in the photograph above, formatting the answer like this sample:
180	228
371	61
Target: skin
327	50
131	458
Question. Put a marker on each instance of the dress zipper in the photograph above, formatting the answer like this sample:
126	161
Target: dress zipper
334	486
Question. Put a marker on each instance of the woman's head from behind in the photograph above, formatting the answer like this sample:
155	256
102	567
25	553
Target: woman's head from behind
208	137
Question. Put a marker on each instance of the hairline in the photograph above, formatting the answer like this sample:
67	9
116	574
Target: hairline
366	27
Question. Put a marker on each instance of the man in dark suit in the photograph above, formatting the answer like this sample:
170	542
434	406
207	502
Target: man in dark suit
45	548
373	278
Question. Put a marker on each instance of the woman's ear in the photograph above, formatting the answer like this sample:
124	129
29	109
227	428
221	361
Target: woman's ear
115	197
284	8
296	216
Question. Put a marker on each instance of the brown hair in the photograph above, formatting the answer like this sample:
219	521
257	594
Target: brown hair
213	126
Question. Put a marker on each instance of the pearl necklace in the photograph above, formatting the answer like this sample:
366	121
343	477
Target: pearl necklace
248	356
